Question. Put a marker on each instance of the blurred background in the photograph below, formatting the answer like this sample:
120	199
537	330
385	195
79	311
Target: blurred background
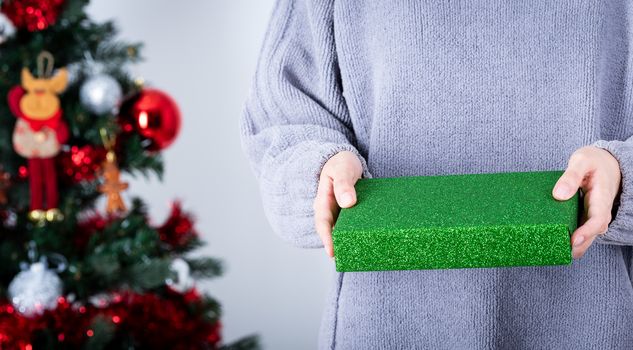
203	53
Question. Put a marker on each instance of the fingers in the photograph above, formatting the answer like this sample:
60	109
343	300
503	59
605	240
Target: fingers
579	250
598	212
324	214
597	172
335	191
584	236
578	168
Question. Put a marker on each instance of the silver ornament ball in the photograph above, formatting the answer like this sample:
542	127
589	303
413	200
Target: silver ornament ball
35	290
100	94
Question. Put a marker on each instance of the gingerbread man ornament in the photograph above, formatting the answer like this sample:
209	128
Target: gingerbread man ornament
39	134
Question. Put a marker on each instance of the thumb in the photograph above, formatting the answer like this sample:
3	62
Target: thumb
343	182
572	179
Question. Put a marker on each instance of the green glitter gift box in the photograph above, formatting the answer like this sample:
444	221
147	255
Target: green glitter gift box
455	221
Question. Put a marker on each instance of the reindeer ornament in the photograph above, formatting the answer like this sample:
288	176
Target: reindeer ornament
39	134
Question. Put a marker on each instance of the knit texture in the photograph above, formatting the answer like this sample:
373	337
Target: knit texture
418	87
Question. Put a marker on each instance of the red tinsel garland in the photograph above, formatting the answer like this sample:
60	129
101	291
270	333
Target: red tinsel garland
15	330
165	324
178	230
157	322
69	323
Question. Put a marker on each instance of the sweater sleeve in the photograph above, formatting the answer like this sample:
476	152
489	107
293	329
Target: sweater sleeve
296	118
620	231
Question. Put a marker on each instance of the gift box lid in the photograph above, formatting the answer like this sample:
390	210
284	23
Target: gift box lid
455	221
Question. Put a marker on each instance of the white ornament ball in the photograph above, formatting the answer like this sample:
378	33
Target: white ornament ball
7	29
100	94
182	282
35	290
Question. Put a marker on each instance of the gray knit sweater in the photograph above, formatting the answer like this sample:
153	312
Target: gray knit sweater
418	87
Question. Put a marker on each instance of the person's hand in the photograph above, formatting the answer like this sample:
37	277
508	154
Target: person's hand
597	173
335	191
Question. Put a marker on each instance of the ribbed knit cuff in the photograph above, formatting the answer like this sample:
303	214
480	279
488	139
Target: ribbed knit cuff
620	230
288	199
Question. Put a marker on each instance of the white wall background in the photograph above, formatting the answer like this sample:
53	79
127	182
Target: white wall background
203	52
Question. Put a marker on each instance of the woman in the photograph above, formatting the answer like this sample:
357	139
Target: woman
353	88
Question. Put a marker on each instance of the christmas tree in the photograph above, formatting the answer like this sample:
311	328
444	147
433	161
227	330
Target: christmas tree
81	266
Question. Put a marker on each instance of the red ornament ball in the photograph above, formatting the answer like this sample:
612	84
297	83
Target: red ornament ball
153	115
32	15
81	163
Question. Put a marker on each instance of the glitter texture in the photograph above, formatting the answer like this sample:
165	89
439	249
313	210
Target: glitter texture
455	221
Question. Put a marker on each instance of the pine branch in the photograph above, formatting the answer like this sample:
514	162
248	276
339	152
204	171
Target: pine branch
205	267
246	343
147	274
